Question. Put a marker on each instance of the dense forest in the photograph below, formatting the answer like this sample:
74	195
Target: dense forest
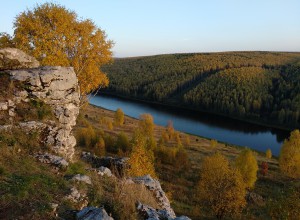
259	86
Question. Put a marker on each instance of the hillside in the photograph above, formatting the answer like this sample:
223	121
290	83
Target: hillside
180	177
255	86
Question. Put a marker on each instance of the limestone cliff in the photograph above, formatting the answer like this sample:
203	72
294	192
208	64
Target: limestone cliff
55	86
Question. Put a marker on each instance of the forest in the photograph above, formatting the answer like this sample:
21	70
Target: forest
257	86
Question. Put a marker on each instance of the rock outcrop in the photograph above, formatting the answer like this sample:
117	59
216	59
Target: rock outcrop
92	213
116	165
12	58
150	213
55	86
53	160
154	186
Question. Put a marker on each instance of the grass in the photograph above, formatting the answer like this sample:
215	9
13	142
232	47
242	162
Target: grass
181	184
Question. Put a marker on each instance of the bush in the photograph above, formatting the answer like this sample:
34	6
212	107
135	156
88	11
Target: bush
269	154
289	158
119	117
247	164
264	167
221	189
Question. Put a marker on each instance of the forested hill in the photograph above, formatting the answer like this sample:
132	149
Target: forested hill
258	86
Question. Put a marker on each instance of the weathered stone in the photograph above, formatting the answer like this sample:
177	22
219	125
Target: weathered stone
57	87
92	213
12	58
150	213
102	171
32	125
11	112
82	178
74	195
255	198
155	187
53	160
116	165
3	106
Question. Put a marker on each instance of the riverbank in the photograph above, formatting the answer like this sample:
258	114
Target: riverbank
181	185
206	125
254	121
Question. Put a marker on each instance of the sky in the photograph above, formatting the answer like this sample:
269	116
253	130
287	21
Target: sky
149	27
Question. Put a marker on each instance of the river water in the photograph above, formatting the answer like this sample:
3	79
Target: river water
202	124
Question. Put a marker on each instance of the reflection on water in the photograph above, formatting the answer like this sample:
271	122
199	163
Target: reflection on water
203	124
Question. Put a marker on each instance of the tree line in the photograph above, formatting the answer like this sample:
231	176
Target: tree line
254	85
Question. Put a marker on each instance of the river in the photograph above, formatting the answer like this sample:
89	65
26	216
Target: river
202	124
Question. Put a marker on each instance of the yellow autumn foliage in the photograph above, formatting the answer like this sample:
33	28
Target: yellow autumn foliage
269	154
247	164
221	187
289	158
119	117
141	161
56	36
146	124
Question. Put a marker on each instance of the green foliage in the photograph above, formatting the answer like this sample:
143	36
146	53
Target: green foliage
123	143
25	184
289	158
258	85
246	163
76	168
286	205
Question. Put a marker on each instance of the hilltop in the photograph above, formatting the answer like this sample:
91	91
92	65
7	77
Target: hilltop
259	87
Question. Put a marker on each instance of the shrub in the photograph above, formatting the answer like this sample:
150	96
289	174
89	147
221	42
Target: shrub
264	167
289	158
247	164
269	154
146	124
123	143
76	168
119	117
213	143
100	149
221	189
141	161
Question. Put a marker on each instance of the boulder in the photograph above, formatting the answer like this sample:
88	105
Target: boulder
116	165
53	160
82	178
12	58
255	198
102	171
149	213
92	213
155	187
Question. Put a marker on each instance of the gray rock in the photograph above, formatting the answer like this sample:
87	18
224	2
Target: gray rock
82	178
57	87
117	165
12	58
150	213
92	213
53	160
154	186
3	106
255	198
102	171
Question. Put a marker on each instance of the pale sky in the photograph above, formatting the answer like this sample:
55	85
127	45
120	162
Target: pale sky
148	27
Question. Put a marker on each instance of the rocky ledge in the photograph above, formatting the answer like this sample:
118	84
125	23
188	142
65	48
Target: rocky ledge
56	86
